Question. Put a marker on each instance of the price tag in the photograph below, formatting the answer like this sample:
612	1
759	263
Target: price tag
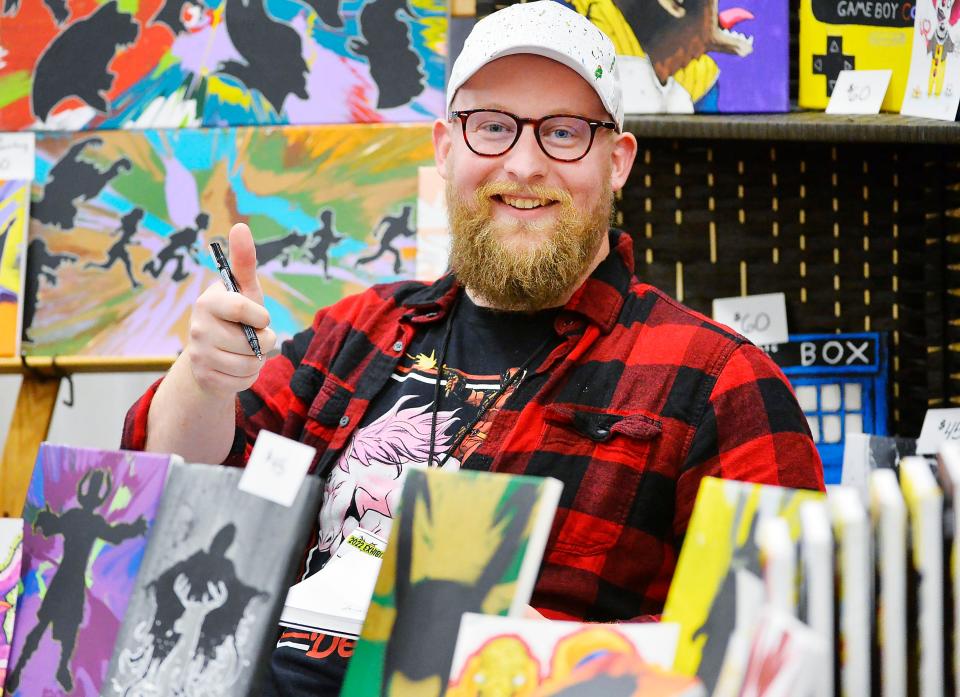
276	468
939	426
760	318
17	156
859	92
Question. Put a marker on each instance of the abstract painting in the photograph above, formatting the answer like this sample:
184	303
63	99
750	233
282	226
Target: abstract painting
121	222
86	520
11	556
14	220
76	65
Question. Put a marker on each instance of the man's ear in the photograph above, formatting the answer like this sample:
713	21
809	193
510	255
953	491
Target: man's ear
441	145
622	155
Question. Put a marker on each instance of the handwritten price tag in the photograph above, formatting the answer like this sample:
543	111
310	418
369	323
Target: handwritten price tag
760	318
17	156
859	92
276	468
939	426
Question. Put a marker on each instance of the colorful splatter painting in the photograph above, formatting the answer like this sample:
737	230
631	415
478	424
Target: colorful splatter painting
121	223
11	555
86	519
14	219
73	64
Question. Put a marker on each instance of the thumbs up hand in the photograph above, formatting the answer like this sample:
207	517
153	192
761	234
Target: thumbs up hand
220	358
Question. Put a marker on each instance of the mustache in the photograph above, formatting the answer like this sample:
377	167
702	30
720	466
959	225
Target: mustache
487	191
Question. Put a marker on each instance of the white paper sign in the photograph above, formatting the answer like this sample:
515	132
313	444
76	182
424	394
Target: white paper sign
17	156
760	318
939	426
276	468
859	91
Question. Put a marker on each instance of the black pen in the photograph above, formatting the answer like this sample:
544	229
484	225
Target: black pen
230	283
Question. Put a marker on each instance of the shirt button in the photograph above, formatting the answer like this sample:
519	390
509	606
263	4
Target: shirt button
398	347
344	420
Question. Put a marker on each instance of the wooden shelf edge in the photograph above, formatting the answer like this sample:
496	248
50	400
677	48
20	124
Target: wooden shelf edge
49	366
796	126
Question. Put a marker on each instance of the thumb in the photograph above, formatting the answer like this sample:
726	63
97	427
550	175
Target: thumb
243	261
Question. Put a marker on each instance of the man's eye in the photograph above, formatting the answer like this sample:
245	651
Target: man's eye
493	128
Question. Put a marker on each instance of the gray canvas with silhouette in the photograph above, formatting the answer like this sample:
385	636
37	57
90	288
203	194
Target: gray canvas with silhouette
203	617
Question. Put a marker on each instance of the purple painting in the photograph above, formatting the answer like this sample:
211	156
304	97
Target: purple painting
86	520
11	548
758	81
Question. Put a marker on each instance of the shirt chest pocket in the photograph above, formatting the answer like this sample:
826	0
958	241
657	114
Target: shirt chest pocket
602	459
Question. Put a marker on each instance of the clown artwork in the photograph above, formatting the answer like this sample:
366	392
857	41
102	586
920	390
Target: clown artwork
933	86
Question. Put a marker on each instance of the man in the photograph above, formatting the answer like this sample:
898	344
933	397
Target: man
541	353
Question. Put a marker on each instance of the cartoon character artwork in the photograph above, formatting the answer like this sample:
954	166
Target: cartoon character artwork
202	618
193	643
86	518
519	656
429	578
681	57
151	202
11	556
212	63
379	455
933	89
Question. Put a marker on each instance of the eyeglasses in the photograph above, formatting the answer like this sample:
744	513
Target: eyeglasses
563	137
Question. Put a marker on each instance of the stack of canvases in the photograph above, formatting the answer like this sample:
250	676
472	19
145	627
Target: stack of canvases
143	575
855	580
161	123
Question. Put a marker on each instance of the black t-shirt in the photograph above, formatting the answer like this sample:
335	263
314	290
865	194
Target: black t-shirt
486	348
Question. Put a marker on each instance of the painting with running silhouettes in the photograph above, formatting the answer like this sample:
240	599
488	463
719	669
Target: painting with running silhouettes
121	224
74	65
86	522
203	617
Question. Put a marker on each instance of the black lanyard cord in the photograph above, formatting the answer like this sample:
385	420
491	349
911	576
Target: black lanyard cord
490	399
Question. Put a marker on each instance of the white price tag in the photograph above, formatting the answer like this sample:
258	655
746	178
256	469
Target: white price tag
17	156
760	318
939	426
859	92
276	468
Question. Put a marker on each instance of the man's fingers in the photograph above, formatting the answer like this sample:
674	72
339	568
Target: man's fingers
243	261
234	307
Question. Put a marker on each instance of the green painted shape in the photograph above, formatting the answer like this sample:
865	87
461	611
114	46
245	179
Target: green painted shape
15	86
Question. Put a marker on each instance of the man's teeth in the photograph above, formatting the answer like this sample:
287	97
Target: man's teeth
524	202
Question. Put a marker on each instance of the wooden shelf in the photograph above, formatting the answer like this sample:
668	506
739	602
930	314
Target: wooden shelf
66	365
797	126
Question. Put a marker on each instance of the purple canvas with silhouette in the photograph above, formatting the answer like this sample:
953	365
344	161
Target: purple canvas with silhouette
86	520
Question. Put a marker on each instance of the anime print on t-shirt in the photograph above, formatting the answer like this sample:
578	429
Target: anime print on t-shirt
363	488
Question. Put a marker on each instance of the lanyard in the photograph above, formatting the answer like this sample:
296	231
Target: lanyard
490	399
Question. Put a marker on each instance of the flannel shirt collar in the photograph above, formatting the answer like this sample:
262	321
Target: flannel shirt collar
599	299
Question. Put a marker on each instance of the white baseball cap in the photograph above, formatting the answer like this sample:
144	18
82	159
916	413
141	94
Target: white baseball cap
545	28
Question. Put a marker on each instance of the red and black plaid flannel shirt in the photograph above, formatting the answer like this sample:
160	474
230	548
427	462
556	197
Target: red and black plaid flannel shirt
641	398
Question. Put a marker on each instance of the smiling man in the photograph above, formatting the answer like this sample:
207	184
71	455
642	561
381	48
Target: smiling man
540	353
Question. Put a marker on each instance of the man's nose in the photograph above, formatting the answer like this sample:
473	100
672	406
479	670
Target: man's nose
526	161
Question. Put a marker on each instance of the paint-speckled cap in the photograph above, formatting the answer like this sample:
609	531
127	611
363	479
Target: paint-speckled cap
545	28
